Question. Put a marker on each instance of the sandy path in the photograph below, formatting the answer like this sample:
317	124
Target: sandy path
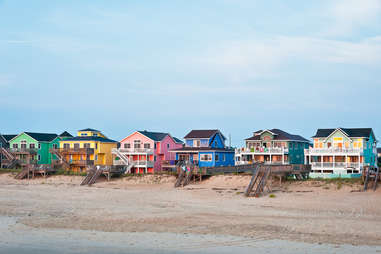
214	207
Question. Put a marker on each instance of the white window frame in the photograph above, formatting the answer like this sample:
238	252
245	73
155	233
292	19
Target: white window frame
209	157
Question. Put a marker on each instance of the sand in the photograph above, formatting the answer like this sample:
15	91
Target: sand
307	214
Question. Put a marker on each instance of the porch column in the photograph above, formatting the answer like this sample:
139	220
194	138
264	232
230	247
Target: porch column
270	158
321	159
346	160
282	158
334	161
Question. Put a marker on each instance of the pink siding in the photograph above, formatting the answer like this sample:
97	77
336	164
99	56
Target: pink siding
161	152
136	136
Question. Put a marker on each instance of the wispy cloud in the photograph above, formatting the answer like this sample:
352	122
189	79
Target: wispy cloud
349	15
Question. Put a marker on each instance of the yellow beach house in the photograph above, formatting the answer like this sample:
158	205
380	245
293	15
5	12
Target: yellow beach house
89	148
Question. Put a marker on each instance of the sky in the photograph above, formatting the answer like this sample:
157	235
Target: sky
173	66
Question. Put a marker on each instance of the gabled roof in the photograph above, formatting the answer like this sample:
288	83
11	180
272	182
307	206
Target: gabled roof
279	135
89	129
155	136
350	132
9	136
179	141
42	137
203	134
91	138
65	134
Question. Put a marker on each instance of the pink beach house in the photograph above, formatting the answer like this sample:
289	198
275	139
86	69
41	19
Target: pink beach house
145	151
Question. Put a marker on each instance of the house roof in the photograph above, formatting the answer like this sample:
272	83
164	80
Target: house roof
202	134
65	134
350	132
89	129
43	137
279	135
91	138
379	150
178	140
202	149
9	136
155	136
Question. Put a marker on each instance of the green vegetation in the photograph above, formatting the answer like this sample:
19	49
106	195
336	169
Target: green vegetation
272	196
9	170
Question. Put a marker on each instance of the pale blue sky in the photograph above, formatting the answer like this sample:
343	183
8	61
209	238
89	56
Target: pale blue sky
173	66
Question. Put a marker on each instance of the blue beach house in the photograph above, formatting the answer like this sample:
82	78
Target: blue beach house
205	148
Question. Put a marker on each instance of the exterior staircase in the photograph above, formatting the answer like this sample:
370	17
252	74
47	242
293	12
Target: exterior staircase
12	161
61	158
258	182
120	155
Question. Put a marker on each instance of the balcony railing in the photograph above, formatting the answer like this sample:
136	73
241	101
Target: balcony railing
136	150
341	151
337	164
73	150
23	150
262	150
82	162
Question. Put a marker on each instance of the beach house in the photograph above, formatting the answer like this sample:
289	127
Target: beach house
341	152
90	147
205	148
33	147
272	146
146	151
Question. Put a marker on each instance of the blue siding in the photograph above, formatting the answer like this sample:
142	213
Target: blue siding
224	159
206	163
217	142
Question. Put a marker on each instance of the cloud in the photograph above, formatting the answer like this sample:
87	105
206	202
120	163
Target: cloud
252	59
349	15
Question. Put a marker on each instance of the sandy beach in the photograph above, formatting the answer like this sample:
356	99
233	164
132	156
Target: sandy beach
212	216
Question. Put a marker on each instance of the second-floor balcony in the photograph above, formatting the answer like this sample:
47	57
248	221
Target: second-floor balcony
333	151
337	165
82	162
136	150
262	150
23	150
73	150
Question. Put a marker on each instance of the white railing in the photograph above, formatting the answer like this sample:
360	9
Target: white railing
318	151
266	162
143	163
262	150
136	150
337	164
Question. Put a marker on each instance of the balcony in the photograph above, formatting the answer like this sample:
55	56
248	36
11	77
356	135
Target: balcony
136	150
73	150
23	150
262	150
82	162
338	165
333	151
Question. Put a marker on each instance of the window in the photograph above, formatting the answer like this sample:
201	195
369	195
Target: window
76	146
127	145
154	146
39	146
197	143
206	157
23	144
224	157
39	157
136	144
96	145
147	146
167	146
154	158
66	146
216	157
86	145
96	157
55	146
215	143
32	146
15	146
83	134
95	134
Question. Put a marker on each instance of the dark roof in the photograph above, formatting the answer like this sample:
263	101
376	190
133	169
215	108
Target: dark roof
379	150
89	129
65	134
280	135
351	132
201	133
8	137
91	138
43	137
156	136
185	149
178	140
